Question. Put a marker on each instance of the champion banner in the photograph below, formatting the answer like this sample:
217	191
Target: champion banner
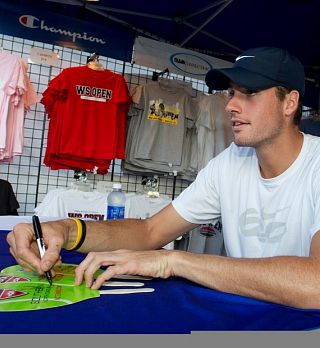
29	22
160	55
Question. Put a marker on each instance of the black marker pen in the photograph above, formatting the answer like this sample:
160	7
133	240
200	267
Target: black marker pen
38	233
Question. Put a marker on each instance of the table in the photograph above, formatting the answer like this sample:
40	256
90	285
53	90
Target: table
176	307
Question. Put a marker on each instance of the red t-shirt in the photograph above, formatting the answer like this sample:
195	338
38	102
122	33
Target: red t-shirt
87	110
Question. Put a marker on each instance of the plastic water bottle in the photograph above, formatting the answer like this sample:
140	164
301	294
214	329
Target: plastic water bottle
116	203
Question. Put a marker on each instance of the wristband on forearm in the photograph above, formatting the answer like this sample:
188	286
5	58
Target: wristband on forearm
81	234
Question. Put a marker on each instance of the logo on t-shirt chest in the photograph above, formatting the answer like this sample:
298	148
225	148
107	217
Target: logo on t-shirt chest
93	93
268	227
166	113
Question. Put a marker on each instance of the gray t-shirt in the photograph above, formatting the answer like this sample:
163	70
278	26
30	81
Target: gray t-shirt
162	126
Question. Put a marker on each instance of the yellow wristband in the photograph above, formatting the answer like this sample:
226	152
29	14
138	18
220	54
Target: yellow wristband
79	233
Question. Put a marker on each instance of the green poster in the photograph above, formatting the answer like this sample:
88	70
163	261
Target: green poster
20	291
64	275
20	296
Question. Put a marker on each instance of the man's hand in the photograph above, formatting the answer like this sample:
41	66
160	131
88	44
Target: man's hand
24	249
155	263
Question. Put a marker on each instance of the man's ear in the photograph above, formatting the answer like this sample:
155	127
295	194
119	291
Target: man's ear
291	102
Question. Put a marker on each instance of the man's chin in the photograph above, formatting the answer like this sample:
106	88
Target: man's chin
239	142
243	143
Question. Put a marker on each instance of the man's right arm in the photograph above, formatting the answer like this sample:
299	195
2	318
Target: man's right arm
133	234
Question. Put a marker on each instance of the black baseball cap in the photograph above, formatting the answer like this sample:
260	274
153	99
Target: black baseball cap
260	68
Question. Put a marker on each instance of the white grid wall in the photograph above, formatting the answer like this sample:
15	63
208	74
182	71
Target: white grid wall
30	179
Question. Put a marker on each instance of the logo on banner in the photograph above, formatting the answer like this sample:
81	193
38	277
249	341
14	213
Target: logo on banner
32	22
190	63
29	21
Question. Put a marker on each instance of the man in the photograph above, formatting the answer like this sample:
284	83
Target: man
265	188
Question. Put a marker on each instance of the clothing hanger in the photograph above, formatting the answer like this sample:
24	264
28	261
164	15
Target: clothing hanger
151	186
80	184
93	62
155	75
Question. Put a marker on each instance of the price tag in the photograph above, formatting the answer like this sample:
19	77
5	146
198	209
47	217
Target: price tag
41	56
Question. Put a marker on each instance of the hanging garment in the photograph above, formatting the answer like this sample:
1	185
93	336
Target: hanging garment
66	202
16	96
158	126
87	112
214	131
8	201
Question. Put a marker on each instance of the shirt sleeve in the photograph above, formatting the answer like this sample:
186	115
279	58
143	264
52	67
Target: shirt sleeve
199	203
56	91
122	92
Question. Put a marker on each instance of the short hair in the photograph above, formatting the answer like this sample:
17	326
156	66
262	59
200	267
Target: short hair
281	92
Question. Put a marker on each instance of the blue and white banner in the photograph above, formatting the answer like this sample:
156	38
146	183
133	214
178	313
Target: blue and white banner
67	31
160	55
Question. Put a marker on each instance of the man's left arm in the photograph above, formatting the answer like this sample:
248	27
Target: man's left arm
289	280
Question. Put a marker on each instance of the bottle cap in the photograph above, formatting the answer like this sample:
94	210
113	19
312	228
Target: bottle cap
116	185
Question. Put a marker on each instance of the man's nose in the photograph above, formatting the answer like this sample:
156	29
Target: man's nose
233	106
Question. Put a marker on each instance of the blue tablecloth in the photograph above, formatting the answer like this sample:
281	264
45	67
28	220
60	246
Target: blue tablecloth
177	306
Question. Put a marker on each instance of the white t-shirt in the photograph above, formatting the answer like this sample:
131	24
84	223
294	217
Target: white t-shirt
260	217
65	202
